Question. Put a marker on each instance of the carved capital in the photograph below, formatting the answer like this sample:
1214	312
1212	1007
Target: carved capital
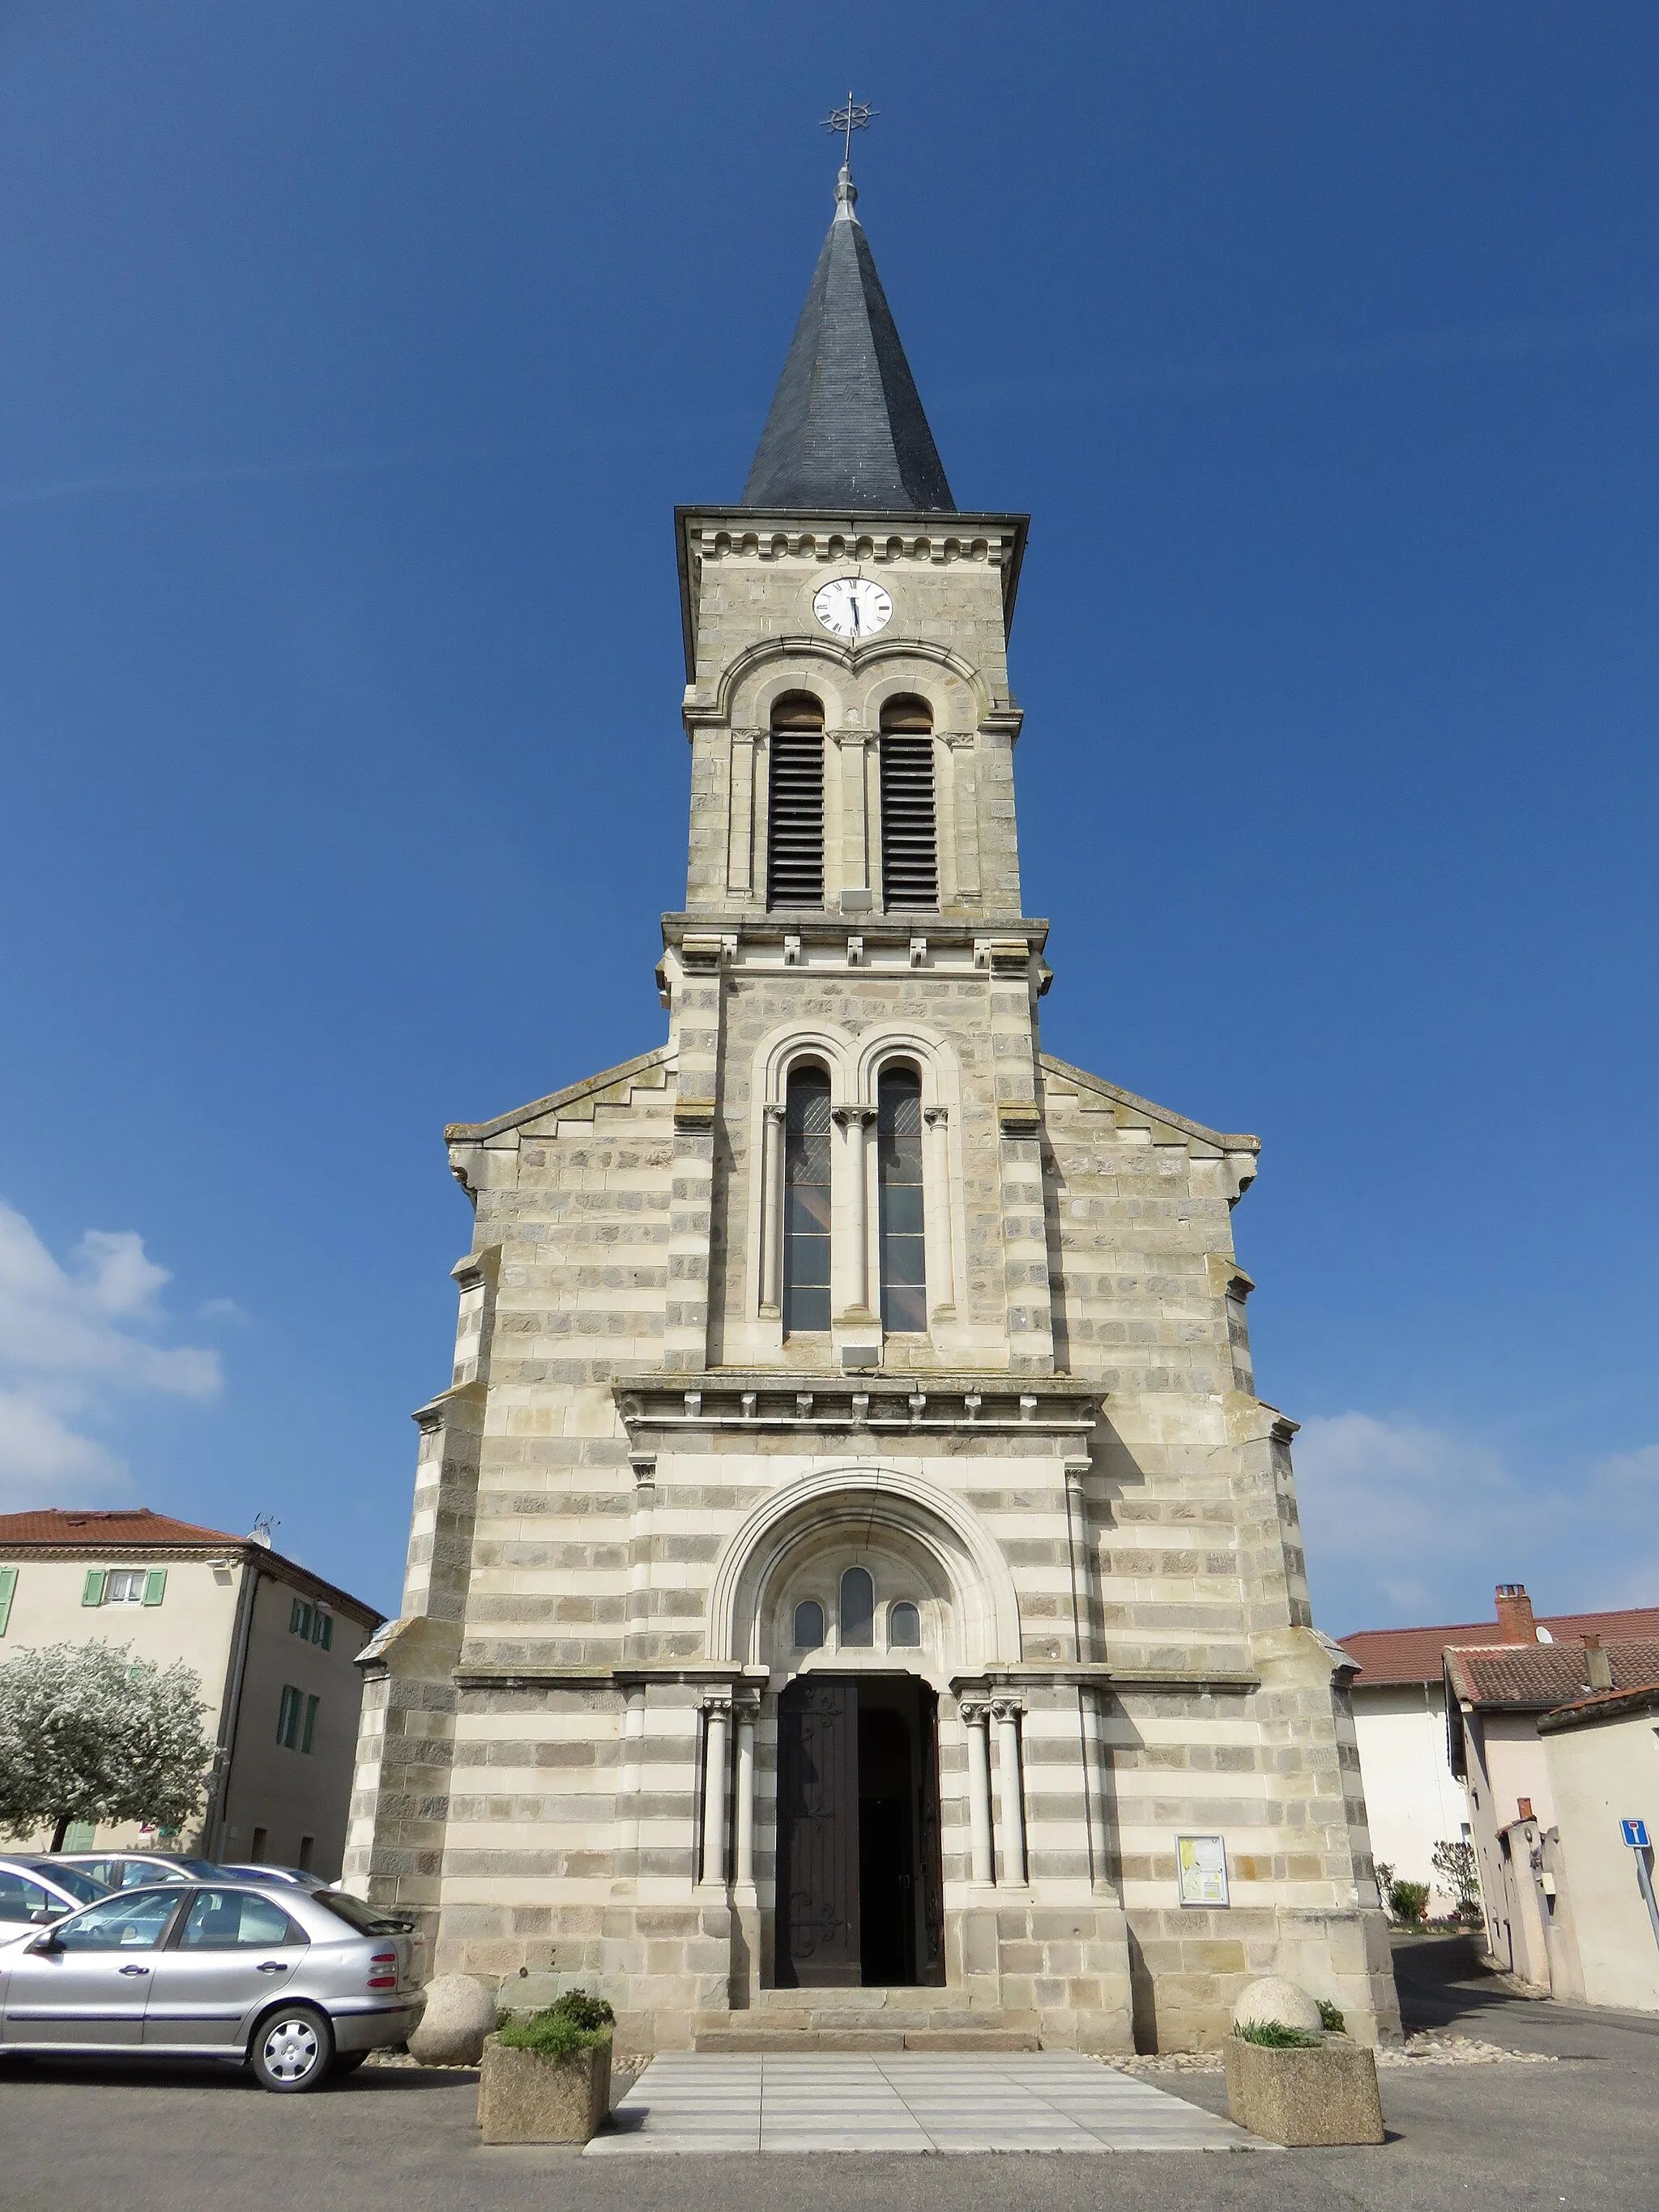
1006	1709
936	1118
775	1110
976	1711
852	1117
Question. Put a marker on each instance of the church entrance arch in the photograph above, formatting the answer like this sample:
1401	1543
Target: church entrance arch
859	1885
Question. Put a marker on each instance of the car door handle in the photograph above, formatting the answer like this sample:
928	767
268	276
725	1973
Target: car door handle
134	1970
272	1966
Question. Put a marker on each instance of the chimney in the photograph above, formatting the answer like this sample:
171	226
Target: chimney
1515	1622
1598	1666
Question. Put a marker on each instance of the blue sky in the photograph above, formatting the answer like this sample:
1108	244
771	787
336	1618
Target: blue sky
356	360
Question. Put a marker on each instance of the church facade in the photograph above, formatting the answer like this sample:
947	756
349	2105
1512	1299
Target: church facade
854	1584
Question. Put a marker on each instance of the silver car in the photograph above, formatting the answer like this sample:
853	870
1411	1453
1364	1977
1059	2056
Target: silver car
136	1870
32	1896
296	1985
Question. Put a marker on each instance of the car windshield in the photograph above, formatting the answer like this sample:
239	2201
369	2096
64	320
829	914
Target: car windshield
85	1888
366	1919
194	1870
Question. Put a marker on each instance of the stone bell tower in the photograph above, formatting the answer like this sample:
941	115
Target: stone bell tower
853	1582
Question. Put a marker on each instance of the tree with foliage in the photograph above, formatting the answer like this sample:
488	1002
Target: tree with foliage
1455	1865
88	1733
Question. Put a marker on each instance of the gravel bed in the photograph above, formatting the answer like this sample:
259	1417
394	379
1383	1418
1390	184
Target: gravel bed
1431	2048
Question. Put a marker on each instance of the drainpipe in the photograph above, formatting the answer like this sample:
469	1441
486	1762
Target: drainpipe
230	1712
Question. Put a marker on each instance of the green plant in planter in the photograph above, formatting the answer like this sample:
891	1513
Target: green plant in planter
574	2022
1276	2037
1330	2017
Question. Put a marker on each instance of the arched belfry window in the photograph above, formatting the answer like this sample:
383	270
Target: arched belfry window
858	1610
898	1171
806	1201
909	835
794	822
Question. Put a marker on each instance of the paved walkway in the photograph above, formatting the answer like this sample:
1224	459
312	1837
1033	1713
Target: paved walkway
910	2100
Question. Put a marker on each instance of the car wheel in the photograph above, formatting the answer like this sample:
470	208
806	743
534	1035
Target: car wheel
292	2049
347	2062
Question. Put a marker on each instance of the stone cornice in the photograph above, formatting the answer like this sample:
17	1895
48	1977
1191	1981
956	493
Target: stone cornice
890	1406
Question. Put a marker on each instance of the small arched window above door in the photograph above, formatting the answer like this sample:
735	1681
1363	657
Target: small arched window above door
809	1625
858	1610
904	1626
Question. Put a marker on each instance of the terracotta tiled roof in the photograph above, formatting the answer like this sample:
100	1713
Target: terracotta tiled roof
1601	1706
1534	1677
97	1531
104	1533
1385	1656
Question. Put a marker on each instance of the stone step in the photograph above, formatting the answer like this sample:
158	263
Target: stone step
775	2038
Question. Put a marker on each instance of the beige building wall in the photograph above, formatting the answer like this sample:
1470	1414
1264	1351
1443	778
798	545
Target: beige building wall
1413	1799
1599	1775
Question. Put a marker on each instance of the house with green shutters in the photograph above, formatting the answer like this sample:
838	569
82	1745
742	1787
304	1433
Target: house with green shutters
272	1644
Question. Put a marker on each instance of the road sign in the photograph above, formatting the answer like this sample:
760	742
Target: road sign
1636	1834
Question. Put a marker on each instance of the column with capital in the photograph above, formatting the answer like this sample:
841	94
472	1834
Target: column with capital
852	751
746	1706
975	1719
772	1210
718	1717
941	1260
1005	1711
855	1122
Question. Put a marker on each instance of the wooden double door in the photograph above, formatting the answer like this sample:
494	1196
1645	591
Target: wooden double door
860	1883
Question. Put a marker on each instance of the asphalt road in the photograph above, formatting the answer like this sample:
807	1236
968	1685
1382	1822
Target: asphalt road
1583	2134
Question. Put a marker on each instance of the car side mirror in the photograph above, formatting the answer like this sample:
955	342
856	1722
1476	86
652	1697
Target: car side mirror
47	1941
41	1917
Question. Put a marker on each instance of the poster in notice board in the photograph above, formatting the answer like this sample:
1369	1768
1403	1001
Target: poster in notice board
1201	1869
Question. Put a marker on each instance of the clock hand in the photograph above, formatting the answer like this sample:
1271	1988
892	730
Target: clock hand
852	609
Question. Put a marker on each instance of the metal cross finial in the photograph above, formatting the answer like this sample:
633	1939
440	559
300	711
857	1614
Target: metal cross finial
855	116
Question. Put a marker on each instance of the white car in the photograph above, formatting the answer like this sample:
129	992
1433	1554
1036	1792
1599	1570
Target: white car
30	1898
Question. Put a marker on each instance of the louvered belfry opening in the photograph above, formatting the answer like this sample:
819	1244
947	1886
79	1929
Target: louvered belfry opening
909	835
794	833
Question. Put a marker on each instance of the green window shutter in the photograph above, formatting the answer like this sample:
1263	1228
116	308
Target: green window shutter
155	1585
312	1704
288	1715
293	1618
324	1630
8	1584
92	1590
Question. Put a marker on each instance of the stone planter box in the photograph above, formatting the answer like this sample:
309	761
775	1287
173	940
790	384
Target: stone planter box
524	2097
1325	2094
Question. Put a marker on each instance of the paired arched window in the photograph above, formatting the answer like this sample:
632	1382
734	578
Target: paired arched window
795	821
903	1238
806	1193
806	1201
910	833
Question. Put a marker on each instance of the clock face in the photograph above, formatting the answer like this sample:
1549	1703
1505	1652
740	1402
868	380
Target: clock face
852	607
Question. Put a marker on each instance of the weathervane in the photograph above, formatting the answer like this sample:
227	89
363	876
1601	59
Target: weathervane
855	116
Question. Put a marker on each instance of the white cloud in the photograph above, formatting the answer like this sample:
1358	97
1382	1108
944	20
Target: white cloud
71	1339
222	1310
1404	1522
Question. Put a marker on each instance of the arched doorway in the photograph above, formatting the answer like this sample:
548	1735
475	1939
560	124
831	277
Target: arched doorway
860	1876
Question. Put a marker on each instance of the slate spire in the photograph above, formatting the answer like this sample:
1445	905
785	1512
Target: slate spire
847	431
